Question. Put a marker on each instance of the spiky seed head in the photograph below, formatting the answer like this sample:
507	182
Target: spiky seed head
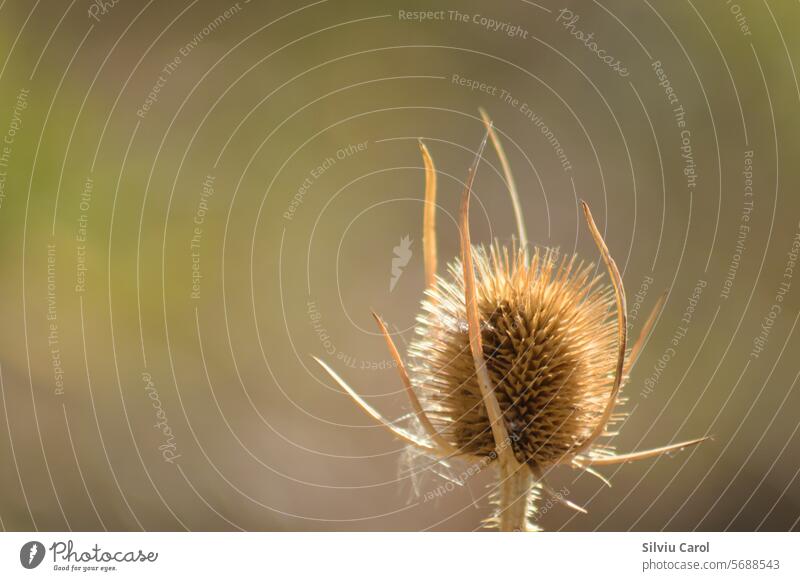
549	341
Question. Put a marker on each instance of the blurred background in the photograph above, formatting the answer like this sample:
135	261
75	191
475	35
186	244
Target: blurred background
197	197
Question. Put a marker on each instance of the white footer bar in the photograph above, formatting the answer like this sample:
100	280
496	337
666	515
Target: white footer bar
406	556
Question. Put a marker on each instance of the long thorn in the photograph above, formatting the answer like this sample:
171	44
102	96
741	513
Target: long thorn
493	412
555	495
399	432
512	186
429	217
645	332
415	403
643	455
592	471
622	331
560	499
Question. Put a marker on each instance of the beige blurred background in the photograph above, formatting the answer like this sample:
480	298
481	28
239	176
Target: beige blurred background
199	196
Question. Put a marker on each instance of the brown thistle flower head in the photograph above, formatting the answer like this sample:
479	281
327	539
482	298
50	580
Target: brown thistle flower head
549	340
517	359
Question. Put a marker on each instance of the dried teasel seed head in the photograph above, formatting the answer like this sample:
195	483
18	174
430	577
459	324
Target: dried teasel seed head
516	360
549	338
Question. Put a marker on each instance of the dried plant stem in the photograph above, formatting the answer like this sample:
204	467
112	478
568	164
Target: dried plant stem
498	426
429	217
514	496
643	455
404	435
512	186
444	446
622	330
